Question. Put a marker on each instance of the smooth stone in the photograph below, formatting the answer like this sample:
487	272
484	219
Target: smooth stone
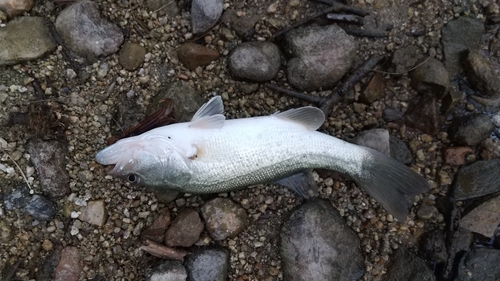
481	74
470	130
255	61
40	208
131	55
70	266
377	139
484	218
84	31
317	245
431	78
320	56
24	39
193	55
205	14
49	160
94	213
167	271
409	267
242	26
479	264
399	150
185	229
16	7
476	180
223	218
208	264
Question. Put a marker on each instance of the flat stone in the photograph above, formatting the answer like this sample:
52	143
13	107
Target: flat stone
479	264
208	264
131	55
185	229
94	213
223	218
70	266
407	266
25	38
193	55
255	61
477	180
484	218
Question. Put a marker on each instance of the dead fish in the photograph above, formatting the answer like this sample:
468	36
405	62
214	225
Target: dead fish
210	154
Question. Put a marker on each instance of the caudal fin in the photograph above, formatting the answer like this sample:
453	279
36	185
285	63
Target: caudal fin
390	183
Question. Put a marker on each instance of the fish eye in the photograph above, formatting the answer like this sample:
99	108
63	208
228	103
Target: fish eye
133	178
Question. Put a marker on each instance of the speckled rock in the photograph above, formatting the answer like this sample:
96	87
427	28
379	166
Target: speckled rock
86	32
476	180
223	218
205	14
16	7
131	55
185	229
317	245
479	264
156	232
40	208
70	266
431	78
94	213
481	74
254	61
208	265
49	159
320	56
399	150
484	218
470	130
193	55
16	199
406	266
25	38
167	271
377	139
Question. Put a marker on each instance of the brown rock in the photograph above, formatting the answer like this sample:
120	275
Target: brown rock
456	155
94	213
193	55
375	89
423	114
131	55
70	266
16	7
223	218
156	232
431	78
482	74
185	229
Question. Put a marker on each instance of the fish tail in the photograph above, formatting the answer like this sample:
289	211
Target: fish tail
391	183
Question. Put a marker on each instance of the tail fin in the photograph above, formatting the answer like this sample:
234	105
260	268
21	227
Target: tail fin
390	183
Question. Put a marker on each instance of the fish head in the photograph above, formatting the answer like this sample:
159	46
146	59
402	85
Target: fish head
147	161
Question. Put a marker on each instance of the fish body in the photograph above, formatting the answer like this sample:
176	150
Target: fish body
212	155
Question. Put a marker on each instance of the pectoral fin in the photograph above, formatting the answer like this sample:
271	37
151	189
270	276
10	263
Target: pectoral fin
310	117
303	184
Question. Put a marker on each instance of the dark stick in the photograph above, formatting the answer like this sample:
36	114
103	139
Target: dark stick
309	98
345	18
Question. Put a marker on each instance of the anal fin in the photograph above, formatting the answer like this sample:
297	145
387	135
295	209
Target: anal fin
303	184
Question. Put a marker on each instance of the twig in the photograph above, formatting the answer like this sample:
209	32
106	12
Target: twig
22	173
345	18
162	251
309	98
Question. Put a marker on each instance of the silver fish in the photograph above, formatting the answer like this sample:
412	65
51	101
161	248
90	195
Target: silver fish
211	154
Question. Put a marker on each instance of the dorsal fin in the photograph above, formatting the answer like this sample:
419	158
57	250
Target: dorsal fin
212	107
209	122
311	117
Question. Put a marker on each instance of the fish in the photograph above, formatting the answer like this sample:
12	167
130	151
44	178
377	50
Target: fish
210	154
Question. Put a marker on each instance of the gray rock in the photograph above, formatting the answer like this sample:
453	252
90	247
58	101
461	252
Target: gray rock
242	26
185	229
484	218
400	151
479	264
205	14
16	7
406	266
168	7
167	271
405	58
470	130
16	199
431	78
433	246
476	180
25	38
317	245
458	36
131	55
490	149
49	160
85	32
208	265
94	213
481	74
40	208
223	218
320	56
255	61
377	139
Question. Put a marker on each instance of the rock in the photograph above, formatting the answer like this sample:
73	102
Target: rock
481	74
85	32
377	139
40	208
208	265
470	130
433	246
168	7
399	150
16	7
25	38
423	114
205	14
50	262
16	199
431	78
49	160
476	180
248	88
317	245
320	56
484	218
185	229
223	218
6	233
94	213
193	55
427	211
452	98
186	101
242	26
255	61
490	149
167	271
458	36
70	266
156	232
131	55
479	264
456	155
407	266
375	90
405	58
